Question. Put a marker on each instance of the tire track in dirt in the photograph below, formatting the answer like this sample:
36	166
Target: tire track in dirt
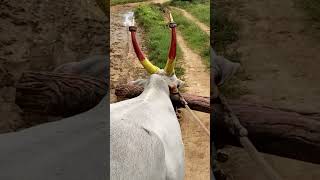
197	143
197	78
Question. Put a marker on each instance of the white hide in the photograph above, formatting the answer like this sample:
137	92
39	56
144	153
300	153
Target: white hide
146	142
72	148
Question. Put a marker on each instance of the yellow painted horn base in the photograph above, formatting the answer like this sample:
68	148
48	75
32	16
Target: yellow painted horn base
151	69
169	69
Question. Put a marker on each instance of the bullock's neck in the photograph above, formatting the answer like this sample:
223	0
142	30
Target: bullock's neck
155	91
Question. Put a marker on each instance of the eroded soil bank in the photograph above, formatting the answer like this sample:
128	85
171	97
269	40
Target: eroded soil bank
39	36
281	57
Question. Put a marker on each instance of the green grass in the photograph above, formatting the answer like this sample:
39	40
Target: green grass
115	2
157	35
200	9
196	39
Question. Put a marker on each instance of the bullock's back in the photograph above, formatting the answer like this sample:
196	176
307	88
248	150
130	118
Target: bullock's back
136	153
151	135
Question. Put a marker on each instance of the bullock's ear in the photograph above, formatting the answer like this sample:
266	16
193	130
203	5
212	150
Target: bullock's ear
180	83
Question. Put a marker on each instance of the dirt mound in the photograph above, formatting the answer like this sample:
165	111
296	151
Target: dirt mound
41	35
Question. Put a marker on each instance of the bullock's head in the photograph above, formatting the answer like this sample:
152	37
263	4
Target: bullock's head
164	76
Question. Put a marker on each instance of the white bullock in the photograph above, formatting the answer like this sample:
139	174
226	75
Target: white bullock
146	142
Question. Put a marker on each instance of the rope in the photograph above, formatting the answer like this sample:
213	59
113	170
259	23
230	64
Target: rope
247	144
194	115
198	120
239	130
252	151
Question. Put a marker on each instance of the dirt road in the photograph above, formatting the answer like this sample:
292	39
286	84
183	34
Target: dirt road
202	26
124	67
281	58
280	54
197	143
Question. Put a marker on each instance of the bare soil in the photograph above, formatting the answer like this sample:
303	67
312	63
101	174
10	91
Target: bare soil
124	67
41	35
280	53
197	79
281	57
197	143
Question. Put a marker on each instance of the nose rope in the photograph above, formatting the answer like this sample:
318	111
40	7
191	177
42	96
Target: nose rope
205	129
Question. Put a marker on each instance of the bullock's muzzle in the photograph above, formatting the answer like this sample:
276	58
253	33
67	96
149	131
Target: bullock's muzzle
175	96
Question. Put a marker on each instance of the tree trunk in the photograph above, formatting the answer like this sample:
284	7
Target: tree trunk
58	94
198	103
282	132
285	133
277	131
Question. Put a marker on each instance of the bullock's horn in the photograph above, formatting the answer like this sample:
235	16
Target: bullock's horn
169	69
144	61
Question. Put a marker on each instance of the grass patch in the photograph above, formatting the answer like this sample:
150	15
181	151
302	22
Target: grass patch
198	40
115	2
198	8
157	35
